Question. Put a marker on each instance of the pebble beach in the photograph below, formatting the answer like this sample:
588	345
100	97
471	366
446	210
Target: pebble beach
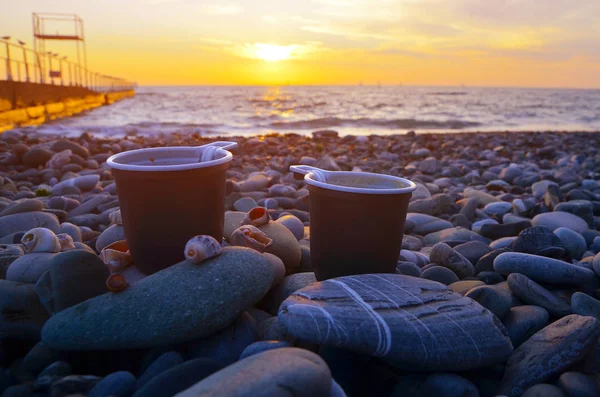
496	290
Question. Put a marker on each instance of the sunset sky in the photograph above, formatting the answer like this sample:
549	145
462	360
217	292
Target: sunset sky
534	43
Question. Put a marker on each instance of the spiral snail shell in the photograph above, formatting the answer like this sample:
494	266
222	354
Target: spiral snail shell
257	216
250	236
116	256
202	247
40	239
116	282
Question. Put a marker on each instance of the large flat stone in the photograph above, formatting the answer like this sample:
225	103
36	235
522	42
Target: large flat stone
180	303
412	323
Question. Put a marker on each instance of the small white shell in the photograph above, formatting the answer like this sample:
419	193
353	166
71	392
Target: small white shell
40	239
257	216
202	247
115	218
250	236
116	256
66	242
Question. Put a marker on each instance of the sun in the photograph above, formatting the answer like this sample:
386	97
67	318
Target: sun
273	52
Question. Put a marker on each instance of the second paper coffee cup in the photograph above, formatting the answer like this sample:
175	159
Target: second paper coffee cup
356	221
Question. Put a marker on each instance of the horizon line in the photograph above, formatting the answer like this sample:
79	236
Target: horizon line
373	85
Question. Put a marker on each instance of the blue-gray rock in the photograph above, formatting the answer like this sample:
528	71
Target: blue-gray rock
490	278
435	205
285	371
486	262
194	305
425	224
258	315
462	287
117	384
596	264
89	205
418	258
544	390
497	300
542	269
25	221
272	329
245	204
74	147
84	183
448	385
504	242
578	384
539	188
476	227
25	205
532	293
522	322
72	277
57	368
585	305
495	232
29	267
73	384
112	234
289	285
556	219
442	254
473	251
164	362
38	358
263	345
226	345
179	378
572	241
374	315
497	209
536	239
24	390
582	208
408	269
411	243
549	352
22	316
455	233
440	274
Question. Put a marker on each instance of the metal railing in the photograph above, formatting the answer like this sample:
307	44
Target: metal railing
18	63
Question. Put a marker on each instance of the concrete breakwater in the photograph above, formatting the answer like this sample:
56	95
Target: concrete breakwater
25	104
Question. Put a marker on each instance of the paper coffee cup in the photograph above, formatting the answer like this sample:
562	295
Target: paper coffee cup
168	195
356	220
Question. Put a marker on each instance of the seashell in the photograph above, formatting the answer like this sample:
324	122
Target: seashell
202	247
40	239
60	159
116	282
257	216
250	236
116	256
115	218
66	242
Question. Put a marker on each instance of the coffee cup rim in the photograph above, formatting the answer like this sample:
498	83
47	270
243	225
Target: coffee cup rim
401	190
113	161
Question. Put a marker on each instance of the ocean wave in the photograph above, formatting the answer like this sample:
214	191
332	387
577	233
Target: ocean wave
447	93
327	122
384	105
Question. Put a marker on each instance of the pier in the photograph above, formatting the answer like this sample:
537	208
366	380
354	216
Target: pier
37	85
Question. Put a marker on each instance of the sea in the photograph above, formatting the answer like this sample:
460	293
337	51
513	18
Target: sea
355	110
